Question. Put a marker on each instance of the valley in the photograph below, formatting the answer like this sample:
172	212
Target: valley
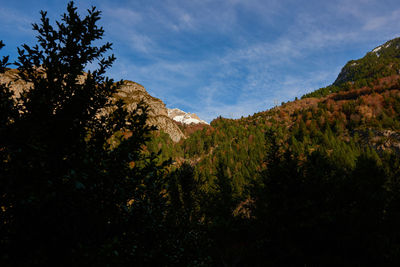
97	172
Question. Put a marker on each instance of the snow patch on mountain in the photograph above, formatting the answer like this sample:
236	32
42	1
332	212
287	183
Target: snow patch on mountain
377	49
183	117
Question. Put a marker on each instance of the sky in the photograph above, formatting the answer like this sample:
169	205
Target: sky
227	58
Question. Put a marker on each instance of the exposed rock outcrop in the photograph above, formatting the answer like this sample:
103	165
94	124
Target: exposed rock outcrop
11	77
130	92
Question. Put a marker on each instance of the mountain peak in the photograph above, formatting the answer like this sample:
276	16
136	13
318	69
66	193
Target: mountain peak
383	60
184	117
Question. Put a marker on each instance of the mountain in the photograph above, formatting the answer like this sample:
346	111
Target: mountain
359	112
166	120
382	61
184	118
320	170
132	93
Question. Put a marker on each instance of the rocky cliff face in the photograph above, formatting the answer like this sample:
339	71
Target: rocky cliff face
11	77
130	92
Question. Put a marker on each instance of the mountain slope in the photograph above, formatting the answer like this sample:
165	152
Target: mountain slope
381	62
340	124
131	93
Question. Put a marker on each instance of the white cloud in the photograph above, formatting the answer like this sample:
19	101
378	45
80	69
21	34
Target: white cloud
15	22
140	42
123	15
383	21
269	68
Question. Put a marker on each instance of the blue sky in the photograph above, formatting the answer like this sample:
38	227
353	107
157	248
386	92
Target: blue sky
224	57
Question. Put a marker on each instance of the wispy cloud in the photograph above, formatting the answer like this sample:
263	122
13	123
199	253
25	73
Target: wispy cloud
232	57
380	22
250	76
15	22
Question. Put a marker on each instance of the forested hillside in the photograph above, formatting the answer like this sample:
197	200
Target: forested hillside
315	157
340	125
383	61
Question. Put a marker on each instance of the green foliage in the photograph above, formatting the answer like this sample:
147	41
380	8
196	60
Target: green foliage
315	211
309	173
365	71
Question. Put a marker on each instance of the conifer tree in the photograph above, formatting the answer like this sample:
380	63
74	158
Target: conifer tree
67	195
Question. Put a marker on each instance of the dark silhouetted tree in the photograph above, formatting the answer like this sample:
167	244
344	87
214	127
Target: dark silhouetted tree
68	195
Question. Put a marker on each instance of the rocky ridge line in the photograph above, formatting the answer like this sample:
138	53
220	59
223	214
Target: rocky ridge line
130	92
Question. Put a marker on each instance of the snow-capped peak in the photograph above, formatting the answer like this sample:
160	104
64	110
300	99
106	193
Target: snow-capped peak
183	117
